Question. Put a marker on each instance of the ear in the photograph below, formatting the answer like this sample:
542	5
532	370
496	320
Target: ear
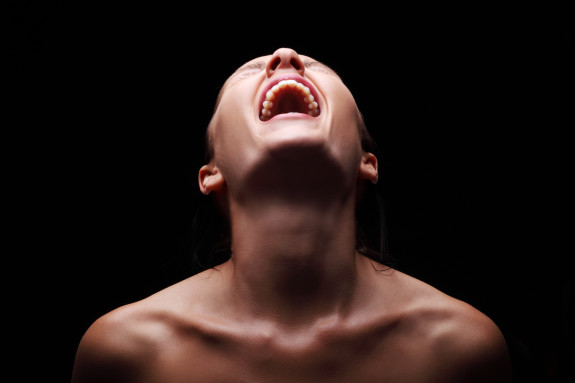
368	167
210	179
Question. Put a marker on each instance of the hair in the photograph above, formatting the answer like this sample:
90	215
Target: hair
371	224
211	236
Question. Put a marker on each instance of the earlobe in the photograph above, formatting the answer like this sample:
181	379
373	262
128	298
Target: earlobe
368	168
210	179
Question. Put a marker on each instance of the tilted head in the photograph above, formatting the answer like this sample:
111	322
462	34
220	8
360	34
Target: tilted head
285	114
281	105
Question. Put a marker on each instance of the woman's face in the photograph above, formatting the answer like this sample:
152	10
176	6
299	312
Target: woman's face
278	106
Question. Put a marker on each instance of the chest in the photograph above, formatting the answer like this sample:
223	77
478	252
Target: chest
364	359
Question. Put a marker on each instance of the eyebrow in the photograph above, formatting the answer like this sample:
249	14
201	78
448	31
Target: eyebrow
258	65
308	63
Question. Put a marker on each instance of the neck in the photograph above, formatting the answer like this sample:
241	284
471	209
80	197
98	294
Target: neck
294	260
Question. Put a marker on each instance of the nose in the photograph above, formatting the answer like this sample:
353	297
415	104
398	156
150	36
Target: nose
284	59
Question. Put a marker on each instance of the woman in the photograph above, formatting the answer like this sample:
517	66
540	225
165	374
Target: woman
296	301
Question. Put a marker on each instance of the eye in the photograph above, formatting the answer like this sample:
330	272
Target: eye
246	73
250	70
316	66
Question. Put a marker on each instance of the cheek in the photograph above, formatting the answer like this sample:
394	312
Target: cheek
233	146
344	127
230	126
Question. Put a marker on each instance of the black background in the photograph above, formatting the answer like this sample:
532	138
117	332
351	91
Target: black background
469	106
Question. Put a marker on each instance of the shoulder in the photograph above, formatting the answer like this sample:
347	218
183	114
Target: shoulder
464	343
127	343
471	347
118	345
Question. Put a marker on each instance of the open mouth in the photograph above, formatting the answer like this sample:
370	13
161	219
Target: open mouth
288	96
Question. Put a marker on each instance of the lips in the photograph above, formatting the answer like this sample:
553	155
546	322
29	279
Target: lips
288	94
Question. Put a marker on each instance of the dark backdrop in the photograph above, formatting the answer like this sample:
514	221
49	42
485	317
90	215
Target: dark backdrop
467	107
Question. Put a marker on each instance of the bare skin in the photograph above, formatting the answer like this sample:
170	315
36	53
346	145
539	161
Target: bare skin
296	302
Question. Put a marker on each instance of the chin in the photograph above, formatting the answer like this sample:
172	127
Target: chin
296	141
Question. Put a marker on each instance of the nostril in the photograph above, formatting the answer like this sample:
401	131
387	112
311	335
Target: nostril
284	59
275	63
296	64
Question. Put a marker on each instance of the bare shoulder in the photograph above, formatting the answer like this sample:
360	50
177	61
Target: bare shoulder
118	345
126	344
464	343
471	345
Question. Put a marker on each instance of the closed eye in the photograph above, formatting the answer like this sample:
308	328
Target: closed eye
249	69
319	67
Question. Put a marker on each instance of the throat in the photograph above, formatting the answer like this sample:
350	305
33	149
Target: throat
297	262
292	220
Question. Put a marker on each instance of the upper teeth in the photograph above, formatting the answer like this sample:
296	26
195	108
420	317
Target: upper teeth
305	92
